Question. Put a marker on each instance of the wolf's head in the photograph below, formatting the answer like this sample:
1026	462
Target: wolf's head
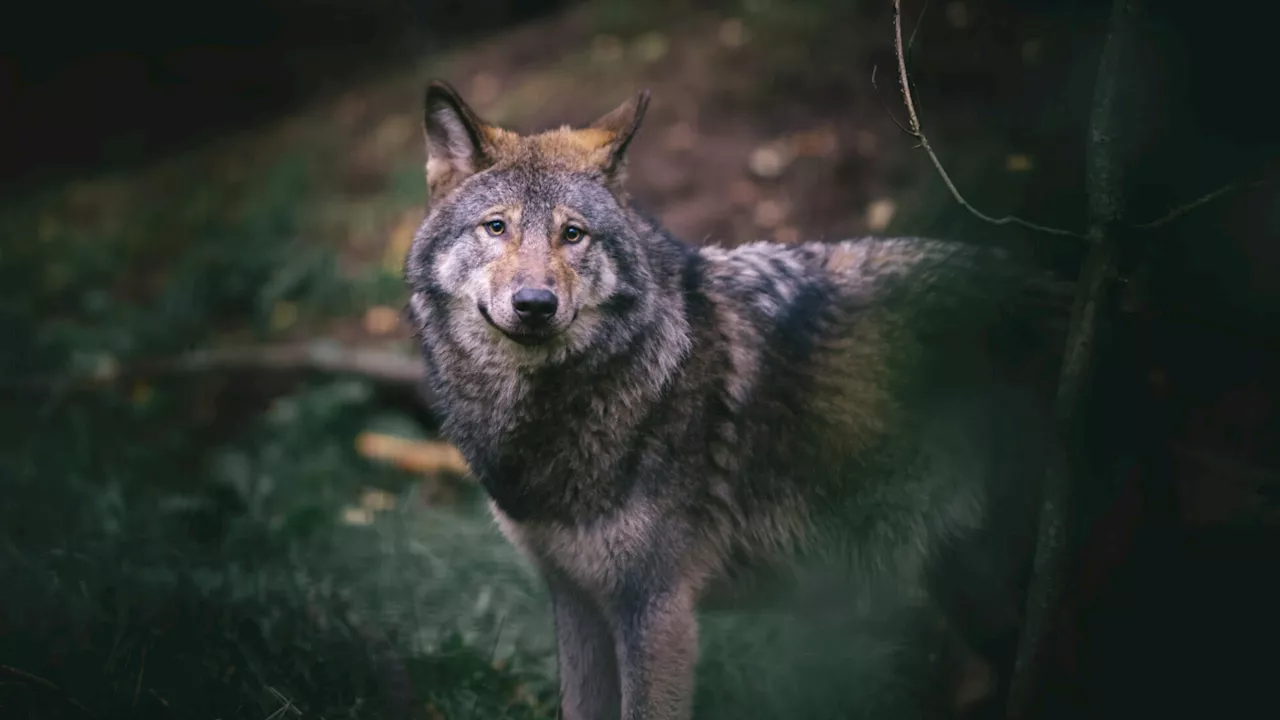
529	247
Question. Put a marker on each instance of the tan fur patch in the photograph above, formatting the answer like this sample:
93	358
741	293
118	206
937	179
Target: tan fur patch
581	150
504	268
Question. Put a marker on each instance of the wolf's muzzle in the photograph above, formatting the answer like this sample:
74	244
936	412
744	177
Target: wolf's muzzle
535	307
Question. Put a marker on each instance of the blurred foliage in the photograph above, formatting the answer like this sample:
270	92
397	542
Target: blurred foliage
175	547
801	46
806	46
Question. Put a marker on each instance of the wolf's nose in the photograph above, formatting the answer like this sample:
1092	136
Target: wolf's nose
535	307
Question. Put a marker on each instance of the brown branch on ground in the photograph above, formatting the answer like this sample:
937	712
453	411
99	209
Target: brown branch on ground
915	131
325	356
376	364
416	456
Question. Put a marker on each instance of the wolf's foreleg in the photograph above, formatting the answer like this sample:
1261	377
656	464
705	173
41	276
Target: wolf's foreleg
657	640
586	654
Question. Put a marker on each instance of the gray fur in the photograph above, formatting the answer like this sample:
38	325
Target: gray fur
703	422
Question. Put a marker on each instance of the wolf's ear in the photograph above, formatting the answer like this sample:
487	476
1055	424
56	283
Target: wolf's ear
621	124
457	145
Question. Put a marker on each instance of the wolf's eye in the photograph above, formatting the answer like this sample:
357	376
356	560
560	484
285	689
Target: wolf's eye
495	227
573	234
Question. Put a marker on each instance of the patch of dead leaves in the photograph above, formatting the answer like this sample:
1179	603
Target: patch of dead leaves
418	456
880	213
381	320
770	160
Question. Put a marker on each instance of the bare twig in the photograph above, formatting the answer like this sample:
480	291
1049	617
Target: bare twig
1181	210
918	134
285	707
885	105
911	41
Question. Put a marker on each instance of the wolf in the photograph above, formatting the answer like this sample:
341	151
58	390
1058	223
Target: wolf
660	427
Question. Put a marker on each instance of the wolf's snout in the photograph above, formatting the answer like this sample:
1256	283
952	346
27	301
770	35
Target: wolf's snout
534	306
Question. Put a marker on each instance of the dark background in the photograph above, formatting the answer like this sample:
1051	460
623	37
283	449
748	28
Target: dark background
89	83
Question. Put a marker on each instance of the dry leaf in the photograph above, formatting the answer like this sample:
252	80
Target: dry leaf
880	214
820	142
1018	163
787	235
357	516
381	320
771	213
769	160
376	500
732	33
424	456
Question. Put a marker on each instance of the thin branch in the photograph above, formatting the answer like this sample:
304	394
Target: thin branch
911	41
885	105
1181	210
917	133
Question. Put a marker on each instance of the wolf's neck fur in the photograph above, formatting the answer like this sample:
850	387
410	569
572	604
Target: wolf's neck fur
550	442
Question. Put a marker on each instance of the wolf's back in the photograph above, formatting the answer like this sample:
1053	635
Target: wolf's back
897	393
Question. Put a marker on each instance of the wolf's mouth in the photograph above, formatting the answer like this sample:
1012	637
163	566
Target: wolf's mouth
526	339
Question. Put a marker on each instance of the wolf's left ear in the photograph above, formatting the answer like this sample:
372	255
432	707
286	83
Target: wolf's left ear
621	123
457	144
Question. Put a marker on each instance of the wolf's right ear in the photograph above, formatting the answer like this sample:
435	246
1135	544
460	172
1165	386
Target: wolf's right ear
621	125
457	145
